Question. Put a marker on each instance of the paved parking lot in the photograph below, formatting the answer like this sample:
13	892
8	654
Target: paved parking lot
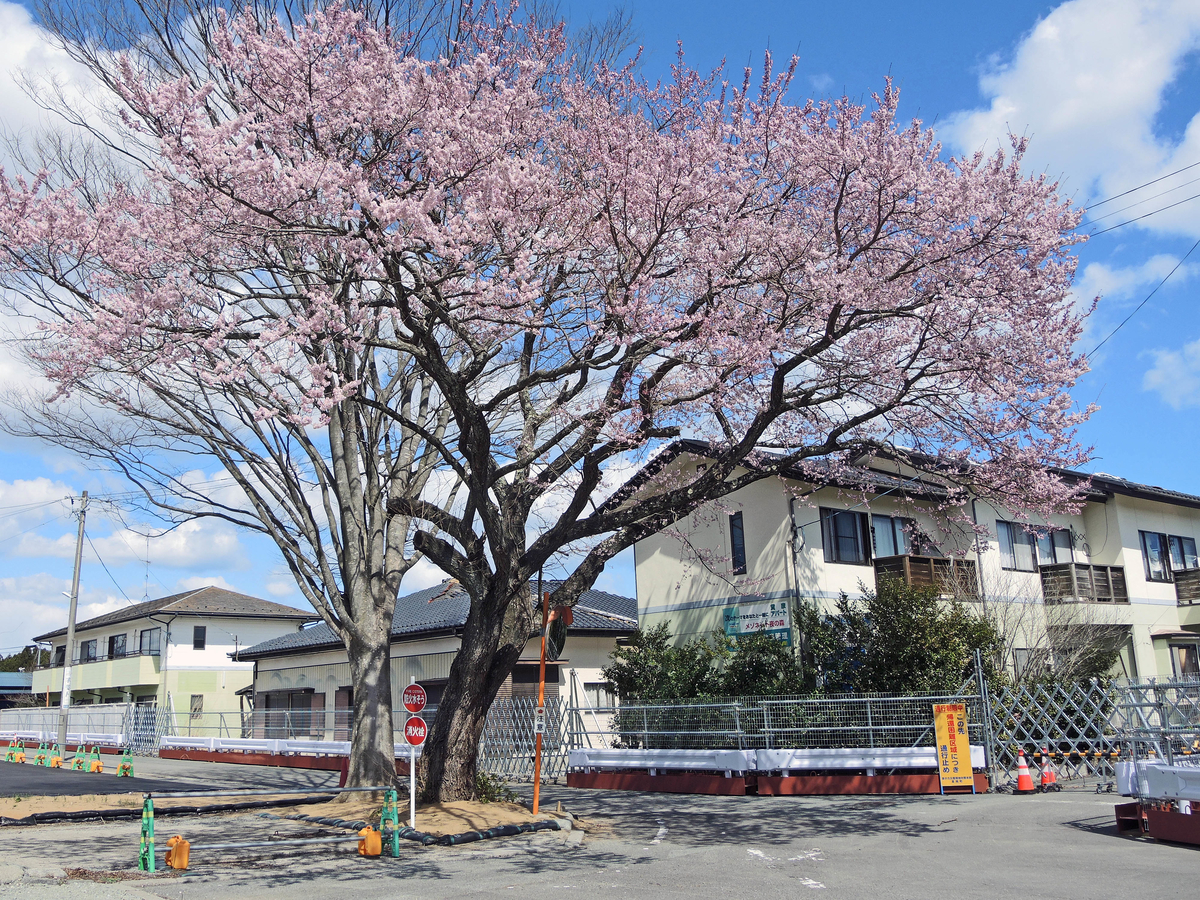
152	774
652	846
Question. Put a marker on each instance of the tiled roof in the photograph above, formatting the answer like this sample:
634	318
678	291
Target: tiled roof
207	601
1114	485
444	607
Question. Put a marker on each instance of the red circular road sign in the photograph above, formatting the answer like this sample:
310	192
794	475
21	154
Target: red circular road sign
414	698
415	731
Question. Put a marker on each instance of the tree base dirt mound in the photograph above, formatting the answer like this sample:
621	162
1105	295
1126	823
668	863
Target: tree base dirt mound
433	818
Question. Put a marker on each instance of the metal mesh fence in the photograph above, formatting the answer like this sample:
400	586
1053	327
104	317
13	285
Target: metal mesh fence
1073	722
1161	720
507	747
1086	727
757	723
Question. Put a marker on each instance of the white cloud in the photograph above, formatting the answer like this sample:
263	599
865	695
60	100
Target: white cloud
281	588
1087	85
28	502
199	543
34	604
1122	283
1176	376
821	83
25	50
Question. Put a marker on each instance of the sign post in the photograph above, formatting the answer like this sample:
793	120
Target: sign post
414	698
953	746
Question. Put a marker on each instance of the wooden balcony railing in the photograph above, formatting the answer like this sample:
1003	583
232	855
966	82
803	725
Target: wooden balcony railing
1083	583
1187	587
950	576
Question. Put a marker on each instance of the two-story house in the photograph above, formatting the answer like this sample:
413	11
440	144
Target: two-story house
177	652
1126	563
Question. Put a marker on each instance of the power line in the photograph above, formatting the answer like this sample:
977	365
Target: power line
1140	186
1145	215
34	528
1144	302
1138	203
105	567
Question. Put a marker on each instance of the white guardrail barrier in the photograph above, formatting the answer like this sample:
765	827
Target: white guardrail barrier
283	747
1158	781
785	761
103	738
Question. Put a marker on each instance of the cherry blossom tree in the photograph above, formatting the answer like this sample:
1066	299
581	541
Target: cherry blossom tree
534	279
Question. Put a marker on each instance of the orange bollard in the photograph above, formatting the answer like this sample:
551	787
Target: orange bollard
370	842
178	851
1024	779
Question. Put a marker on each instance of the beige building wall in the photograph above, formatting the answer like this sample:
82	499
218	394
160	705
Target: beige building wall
684	575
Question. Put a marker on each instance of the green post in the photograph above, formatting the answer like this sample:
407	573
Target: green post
125	767
146	848
389	817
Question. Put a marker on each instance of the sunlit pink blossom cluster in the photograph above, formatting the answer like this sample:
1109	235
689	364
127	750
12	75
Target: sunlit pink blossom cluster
591	258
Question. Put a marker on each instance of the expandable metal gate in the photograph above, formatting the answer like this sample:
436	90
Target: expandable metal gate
178	850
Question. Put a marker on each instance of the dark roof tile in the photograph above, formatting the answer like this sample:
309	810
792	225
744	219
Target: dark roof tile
444	607
207	601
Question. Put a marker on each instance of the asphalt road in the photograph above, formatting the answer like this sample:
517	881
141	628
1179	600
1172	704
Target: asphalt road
17	780
27	780
662	847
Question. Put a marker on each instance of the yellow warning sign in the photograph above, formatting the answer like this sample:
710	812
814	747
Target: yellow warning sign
953	745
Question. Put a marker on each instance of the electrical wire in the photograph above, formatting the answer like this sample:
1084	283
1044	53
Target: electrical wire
1138	203
1145	301
1140	186
34	528
1143	216
105	567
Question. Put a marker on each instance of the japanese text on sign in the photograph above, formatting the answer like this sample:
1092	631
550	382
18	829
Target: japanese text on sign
773	617
953	746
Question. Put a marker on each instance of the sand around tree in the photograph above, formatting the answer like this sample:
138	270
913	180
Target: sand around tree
435	818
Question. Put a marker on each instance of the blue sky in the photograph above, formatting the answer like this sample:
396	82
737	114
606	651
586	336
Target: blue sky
1107	91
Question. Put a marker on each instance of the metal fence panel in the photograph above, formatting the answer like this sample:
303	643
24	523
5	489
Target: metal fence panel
1074	722
755	723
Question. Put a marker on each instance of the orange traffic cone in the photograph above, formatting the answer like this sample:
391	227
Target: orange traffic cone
1024	779
1049	776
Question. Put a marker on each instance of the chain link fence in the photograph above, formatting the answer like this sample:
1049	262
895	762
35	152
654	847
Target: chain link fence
758	723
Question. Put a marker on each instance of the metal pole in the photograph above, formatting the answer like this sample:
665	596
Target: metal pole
412	776
537	748
65	700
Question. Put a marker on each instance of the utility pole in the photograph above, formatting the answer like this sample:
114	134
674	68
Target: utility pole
65	702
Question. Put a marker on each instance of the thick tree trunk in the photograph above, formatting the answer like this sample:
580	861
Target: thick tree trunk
491	643
372	748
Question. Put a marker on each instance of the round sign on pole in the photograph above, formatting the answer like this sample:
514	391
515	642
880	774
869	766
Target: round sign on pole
415	731
414	698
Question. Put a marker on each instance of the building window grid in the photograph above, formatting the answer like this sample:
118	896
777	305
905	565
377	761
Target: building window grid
737	543
1164	554
845	537
199	636
1023	550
